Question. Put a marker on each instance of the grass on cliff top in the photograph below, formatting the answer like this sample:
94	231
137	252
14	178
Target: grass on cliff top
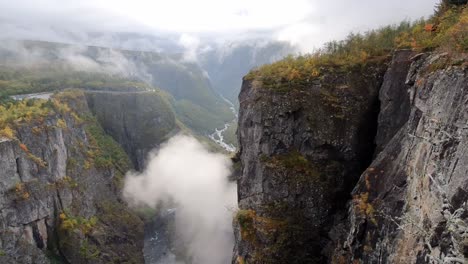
106	151
446	30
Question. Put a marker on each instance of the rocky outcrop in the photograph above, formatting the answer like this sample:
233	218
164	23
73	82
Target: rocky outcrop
410	204
59	191
302	149
138	121
394	99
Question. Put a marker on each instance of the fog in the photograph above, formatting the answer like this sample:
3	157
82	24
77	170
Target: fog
185	175
305	23
16	53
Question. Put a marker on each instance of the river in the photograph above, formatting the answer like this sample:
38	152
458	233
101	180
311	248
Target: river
218	135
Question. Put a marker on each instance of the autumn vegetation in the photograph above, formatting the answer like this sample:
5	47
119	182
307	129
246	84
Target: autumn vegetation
445	31
24	80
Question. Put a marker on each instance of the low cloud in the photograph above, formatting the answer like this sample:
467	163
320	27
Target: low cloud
308	23
185	175
17	53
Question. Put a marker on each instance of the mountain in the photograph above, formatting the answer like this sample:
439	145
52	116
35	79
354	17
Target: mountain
32	66
61	183
226	64
357	153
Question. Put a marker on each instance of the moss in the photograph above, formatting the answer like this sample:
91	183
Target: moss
272	239
89	251
54	258
116	215
71	163
107	153
245	218
65	182
40	162
296	166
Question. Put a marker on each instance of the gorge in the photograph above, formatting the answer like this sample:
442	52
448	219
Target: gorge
355	153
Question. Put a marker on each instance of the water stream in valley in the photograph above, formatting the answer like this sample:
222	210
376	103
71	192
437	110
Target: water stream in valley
157	245
218	134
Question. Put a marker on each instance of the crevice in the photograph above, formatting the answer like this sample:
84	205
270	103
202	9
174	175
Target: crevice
18	169
37	236
53	241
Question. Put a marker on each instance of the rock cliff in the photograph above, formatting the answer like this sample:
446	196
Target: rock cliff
409	206
303	149
138	121
60	184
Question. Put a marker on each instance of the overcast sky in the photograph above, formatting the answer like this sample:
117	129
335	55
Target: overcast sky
304	22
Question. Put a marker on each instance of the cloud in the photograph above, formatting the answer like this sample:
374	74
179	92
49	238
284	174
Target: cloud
191	45
14	53
334	19
306	22
184	174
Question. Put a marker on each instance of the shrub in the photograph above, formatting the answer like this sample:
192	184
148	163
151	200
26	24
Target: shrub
7	132
61	123
245	218
72	223
446	30
21	191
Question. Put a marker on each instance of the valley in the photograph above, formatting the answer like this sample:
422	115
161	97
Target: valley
235	146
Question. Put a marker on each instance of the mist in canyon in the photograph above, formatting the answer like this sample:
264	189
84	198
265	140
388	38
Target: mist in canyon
184	175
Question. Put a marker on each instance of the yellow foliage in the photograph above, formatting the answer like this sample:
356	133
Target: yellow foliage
362	204
7	132
21	192
37	160
69	224
72	224
61	123
36	130
246	218
87	165
447	31
62	216
240	260
23	111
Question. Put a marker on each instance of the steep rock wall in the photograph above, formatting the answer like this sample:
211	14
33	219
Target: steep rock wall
59	196
410	204
138	121
301	151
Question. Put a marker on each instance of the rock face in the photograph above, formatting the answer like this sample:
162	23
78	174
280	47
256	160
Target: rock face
302	149
394	99
410	204
59	200
138	121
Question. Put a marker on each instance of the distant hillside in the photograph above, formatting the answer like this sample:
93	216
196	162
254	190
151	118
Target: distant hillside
227	64
33	66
